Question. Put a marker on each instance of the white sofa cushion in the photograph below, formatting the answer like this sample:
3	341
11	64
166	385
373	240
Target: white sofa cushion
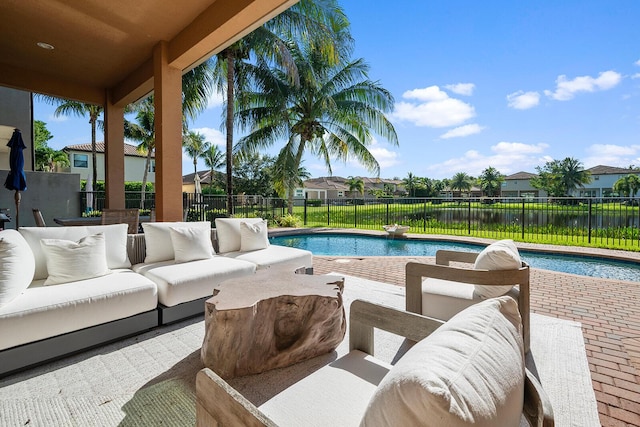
253	236
470	371
340	390
158	240
17	265
115	242
443	299
46	311
228	231
275	256
70	261
191	243
500	255
178	283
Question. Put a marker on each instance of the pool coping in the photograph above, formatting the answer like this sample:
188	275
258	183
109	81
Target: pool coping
613	254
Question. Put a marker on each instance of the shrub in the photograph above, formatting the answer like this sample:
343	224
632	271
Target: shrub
314	202
289	220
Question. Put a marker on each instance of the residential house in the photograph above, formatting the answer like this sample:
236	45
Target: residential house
336	187
519	185
602	180
81	162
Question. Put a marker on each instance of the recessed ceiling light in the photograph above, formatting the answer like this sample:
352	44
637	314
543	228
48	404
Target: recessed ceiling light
45	45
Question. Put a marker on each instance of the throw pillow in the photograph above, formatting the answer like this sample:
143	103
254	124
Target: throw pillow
253	236
157	239
69	261
228	232
191	243
470	371
500	255
17	265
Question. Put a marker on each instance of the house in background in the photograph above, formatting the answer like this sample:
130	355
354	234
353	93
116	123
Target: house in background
336	187
519	185
602	180
81	162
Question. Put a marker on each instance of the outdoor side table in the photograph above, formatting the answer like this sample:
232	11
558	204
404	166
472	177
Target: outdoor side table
270	320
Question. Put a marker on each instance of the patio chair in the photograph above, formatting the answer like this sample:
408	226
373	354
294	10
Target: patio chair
441	380
122	216
37	215
442	290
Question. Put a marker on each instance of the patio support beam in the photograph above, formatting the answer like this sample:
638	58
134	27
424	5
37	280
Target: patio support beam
114	154
168	129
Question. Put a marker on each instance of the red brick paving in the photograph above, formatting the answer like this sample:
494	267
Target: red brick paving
608	310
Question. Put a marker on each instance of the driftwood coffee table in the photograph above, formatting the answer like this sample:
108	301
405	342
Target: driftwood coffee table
271	320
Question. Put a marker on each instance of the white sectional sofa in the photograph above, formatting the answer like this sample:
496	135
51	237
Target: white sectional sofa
90	285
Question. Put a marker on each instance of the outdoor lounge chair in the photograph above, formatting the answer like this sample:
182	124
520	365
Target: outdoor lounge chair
446	378
122	216
441	290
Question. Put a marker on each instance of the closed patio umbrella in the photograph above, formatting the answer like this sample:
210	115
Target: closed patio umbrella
88	190
16	179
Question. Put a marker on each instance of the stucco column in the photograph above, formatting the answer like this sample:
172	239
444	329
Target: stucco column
167	83
113	154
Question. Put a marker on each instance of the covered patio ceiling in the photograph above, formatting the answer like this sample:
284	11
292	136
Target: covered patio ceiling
108	45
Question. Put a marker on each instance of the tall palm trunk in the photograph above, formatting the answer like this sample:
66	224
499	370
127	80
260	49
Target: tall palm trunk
94	156
292	180
145	176
229	124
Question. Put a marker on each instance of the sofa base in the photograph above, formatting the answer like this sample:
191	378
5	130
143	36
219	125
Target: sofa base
181	311
17	358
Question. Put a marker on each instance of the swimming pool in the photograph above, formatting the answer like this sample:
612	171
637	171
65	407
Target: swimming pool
355	245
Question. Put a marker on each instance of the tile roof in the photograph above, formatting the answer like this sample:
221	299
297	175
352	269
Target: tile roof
129	150
521	175
610	170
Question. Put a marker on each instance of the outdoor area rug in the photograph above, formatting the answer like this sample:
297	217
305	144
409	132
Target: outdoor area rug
150	379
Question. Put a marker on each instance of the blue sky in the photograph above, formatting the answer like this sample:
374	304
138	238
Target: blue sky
508	84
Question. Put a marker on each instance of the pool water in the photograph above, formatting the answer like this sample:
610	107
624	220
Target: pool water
354	245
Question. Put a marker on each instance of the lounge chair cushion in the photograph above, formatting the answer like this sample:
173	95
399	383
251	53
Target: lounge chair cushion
228	231
253	236
275	256
115	242
70	261
159	246
500	255
191	243
468	372
17	265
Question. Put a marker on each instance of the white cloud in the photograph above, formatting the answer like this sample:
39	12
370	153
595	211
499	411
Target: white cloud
462	131
58	119
507	157
567	89
434	108
636	76
612	155
462	88
215	100
213	136
637	63
521	100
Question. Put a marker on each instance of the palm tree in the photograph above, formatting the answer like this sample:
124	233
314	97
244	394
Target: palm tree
331	113
144	132
195	146
490	181
410	184
314	21
573	175
213	158
461	182
355	184
628	185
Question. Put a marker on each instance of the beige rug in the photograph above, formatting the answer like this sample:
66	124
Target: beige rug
148	380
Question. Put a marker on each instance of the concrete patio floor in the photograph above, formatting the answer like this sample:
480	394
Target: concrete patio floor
609	311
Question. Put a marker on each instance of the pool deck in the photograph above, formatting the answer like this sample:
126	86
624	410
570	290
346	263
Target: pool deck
609	311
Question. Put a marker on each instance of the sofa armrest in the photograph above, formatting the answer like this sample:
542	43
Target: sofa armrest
444	257
537	407
364	316
217	403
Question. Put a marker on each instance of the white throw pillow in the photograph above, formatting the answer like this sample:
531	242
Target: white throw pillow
115	238
470	371
69	261
17	265
157	239
228	232
253	236
191	243
500	255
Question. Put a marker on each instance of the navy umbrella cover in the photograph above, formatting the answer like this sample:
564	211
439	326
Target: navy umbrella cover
16	179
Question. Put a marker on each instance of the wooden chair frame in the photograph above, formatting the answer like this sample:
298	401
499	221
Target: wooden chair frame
122	216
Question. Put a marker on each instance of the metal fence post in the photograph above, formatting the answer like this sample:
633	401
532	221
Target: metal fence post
328	213
424	216
306	196
355	215
522	217
469	217
589	223
387	218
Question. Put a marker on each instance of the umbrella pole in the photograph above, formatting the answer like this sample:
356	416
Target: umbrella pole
17	197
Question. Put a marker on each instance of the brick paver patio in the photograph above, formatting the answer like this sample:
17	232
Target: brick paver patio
609	311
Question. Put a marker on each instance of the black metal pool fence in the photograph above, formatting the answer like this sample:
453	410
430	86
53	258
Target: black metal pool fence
597	221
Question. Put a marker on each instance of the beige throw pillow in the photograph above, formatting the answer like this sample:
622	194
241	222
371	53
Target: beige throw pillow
158	244
228	231
17	265
69	261
253	236
500	255
191	243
